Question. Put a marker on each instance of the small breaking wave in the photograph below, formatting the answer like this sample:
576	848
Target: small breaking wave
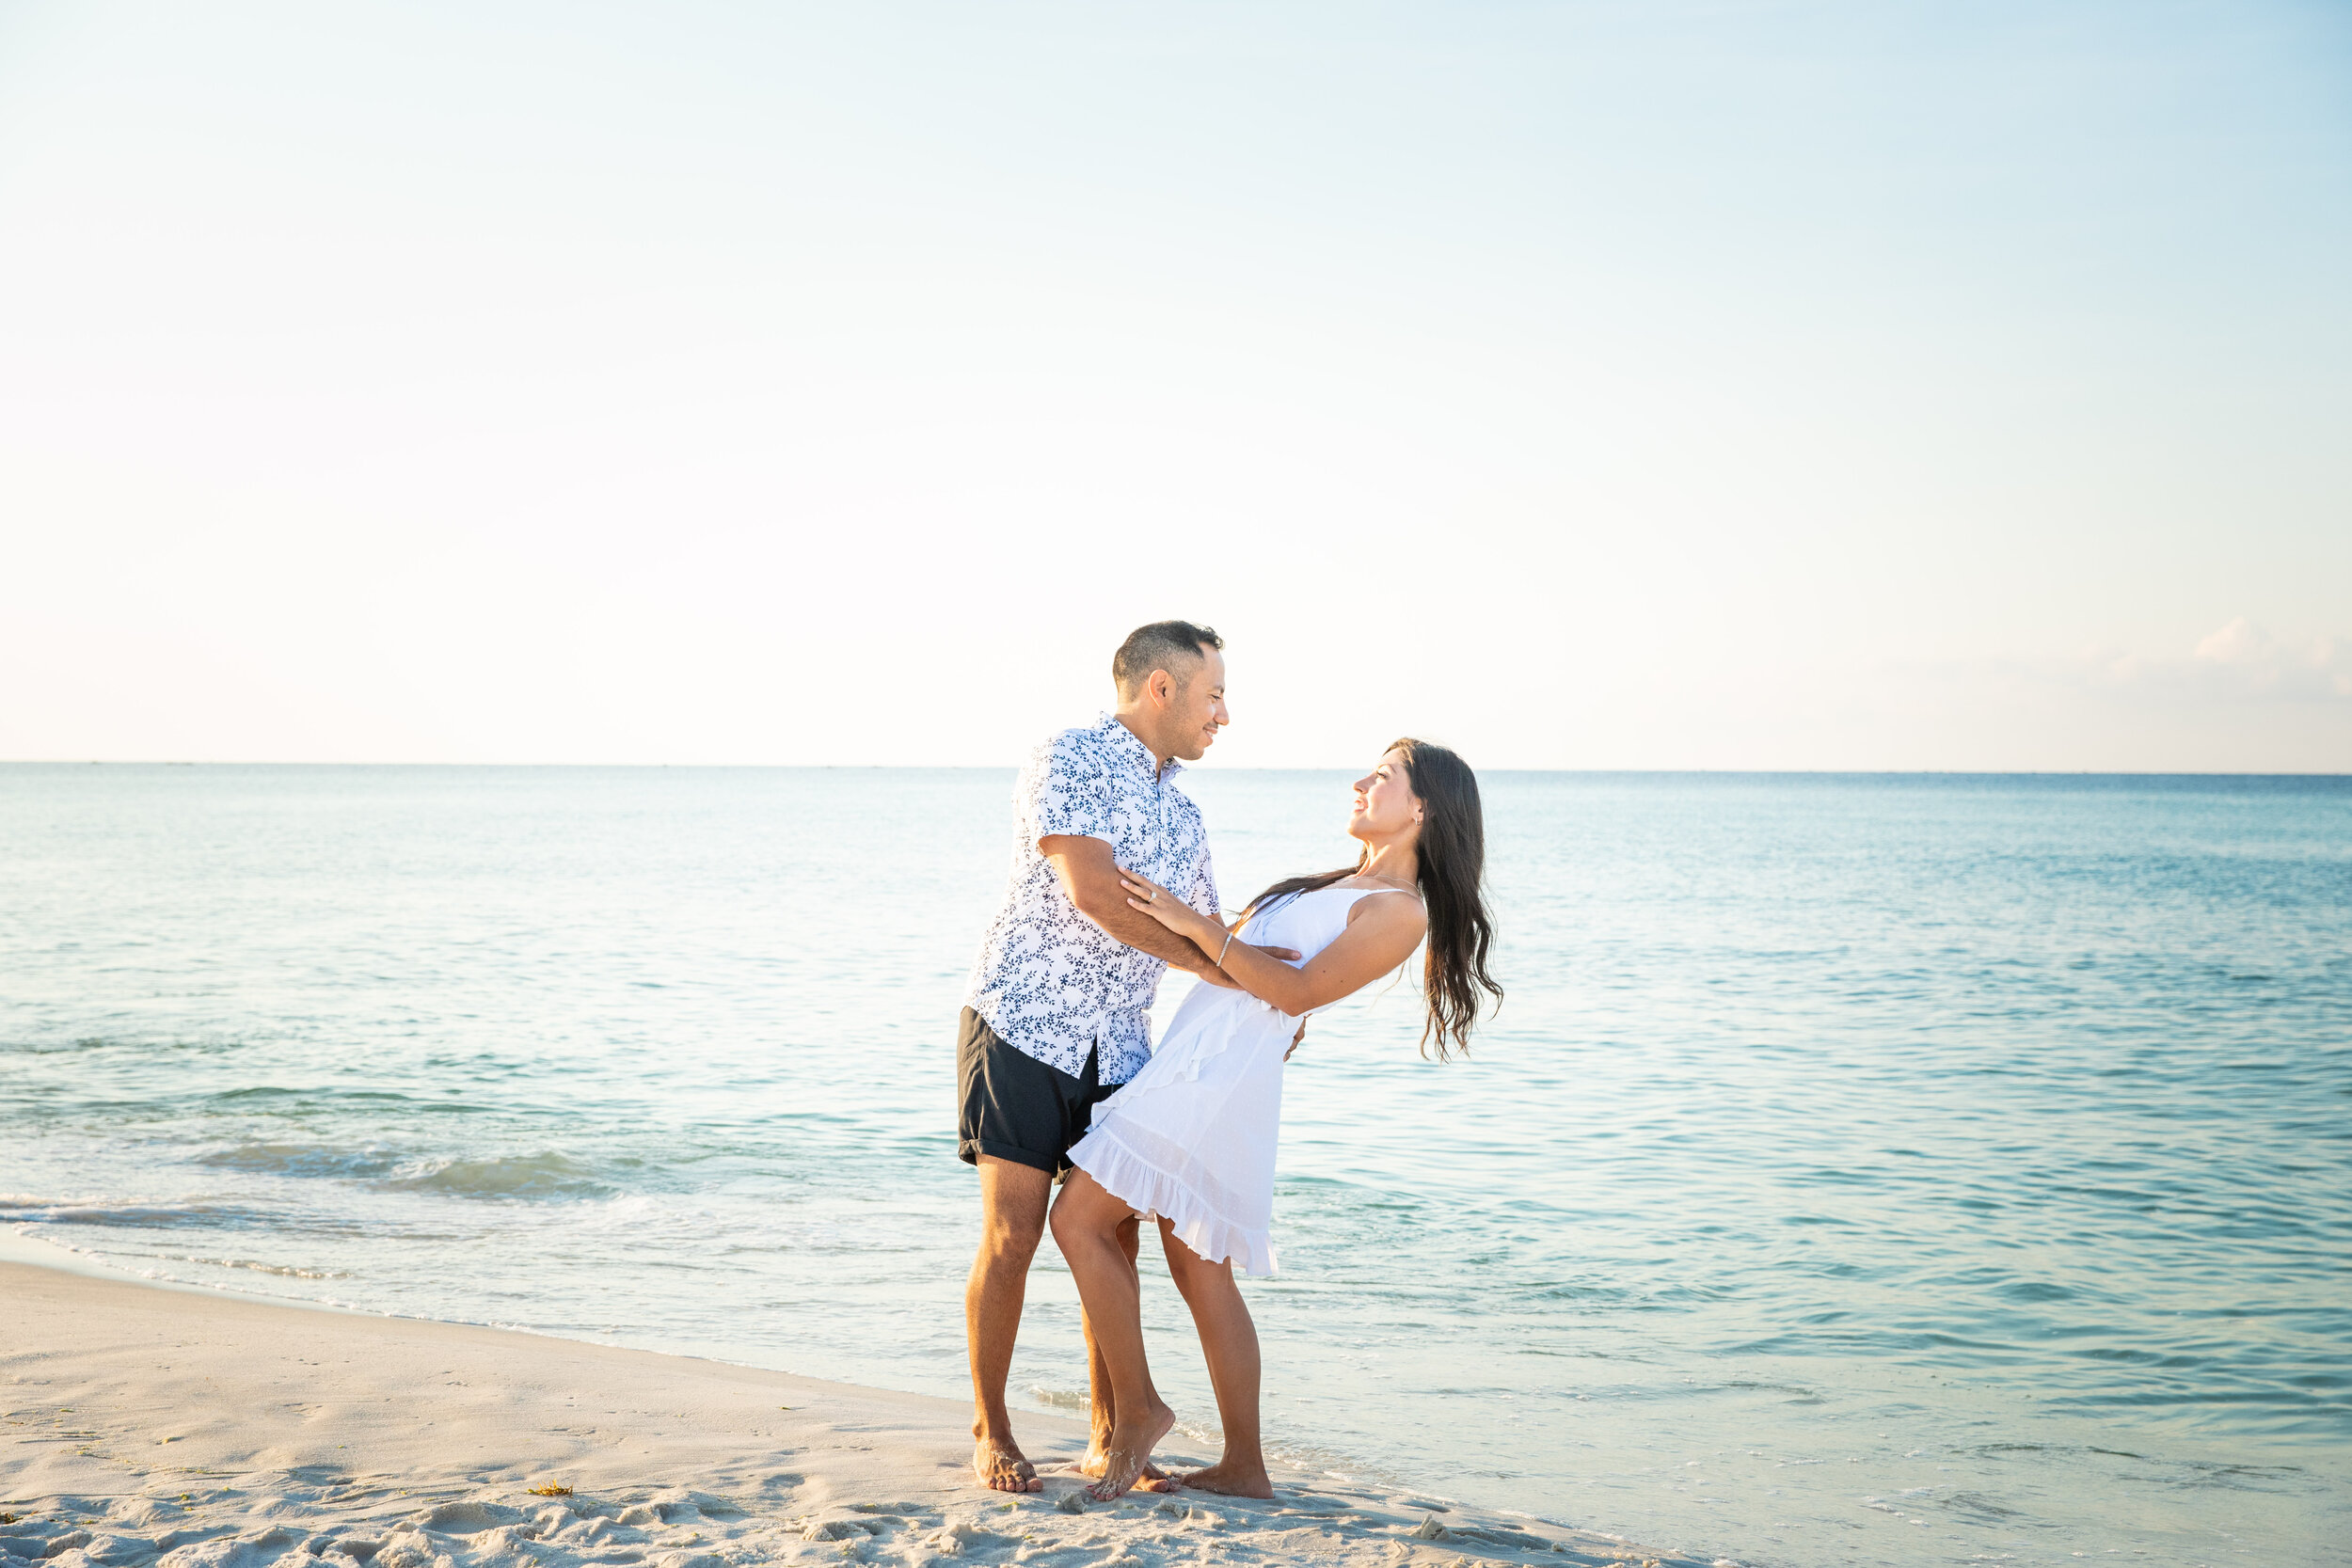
303	1159
145	1216
548	1176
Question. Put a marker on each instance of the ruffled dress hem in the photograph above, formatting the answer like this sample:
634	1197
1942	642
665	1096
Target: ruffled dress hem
1154	1194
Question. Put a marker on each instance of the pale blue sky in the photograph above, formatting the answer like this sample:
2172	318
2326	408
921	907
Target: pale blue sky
1592	385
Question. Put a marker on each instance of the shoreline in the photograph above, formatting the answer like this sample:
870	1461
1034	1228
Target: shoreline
148	1426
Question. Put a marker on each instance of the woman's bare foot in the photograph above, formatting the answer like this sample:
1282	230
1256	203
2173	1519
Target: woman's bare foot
1096	1462
1233	1478
1128	1453
1002	1467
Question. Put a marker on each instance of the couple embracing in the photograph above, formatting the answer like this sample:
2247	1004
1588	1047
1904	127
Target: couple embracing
1111	885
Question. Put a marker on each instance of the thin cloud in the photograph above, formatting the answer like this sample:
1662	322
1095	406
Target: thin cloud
2238	660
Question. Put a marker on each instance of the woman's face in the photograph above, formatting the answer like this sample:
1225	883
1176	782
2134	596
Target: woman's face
1386	805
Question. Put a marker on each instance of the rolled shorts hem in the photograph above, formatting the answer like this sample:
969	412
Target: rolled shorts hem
970	1151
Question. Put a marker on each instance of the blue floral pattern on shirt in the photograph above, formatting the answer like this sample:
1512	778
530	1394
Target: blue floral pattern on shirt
1052	983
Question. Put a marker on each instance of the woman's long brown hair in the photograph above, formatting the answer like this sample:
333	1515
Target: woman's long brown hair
1451	856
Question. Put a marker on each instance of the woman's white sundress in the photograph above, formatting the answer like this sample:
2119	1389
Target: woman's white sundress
1191	1137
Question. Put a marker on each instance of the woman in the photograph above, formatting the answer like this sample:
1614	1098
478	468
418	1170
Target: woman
1191	1138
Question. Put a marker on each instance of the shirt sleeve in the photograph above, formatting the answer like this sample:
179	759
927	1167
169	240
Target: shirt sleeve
1069	792
1204	889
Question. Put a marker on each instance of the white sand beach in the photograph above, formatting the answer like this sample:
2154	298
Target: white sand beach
143	1426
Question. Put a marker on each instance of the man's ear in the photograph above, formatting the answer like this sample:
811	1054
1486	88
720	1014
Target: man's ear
1163	689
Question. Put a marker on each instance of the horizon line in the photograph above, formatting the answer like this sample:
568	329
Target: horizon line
1303	768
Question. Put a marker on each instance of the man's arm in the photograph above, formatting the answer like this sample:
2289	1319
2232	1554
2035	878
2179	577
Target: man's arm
1090	876
1380	934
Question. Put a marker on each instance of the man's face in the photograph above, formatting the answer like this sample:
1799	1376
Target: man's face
1197	711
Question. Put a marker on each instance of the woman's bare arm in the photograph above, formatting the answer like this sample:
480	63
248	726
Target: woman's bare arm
1381	934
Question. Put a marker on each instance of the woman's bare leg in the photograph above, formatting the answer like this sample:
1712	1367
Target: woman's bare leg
1230	1340
1085	1223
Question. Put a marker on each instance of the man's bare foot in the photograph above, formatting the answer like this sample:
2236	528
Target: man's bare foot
1128	1453
1232	1479
1002	1469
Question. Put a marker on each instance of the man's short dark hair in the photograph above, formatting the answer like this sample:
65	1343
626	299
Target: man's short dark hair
1175	646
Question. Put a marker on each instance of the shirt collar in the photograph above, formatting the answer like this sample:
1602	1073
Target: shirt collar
1116	732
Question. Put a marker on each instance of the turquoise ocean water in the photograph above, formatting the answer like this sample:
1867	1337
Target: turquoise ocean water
1862	1170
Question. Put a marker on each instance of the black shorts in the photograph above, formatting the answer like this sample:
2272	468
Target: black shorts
1015	1107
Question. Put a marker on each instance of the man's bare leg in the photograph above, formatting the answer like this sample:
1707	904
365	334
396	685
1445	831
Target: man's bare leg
1230	1341
1012	1221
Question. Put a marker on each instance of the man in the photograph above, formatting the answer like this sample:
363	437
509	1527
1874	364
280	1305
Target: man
1054	1017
